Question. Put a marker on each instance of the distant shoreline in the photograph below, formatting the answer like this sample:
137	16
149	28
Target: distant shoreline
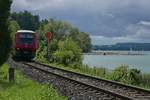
116	53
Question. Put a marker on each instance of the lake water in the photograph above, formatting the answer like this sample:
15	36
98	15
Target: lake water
141	62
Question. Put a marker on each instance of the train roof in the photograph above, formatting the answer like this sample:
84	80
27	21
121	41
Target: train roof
25	31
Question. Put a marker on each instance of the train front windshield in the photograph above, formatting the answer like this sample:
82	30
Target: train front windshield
26	38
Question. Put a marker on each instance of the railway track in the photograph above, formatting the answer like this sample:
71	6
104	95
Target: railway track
100	88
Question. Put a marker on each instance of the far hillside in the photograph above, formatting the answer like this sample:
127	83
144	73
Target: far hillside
124	46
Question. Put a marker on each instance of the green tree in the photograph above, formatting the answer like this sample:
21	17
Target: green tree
26	20
61	30
68	53
5	39
13	26
82	39
58	28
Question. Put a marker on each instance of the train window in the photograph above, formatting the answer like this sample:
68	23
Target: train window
26	38
26	35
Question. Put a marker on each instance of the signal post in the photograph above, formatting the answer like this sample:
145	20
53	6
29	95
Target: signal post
48	37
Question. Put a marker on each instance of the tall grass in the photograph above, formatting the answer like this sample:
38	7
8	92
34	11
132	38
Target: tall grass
96	71
25	89
145	80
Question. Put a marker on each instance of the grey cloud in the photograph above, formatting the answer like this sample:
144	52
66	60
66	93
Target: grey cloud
108	18
100	40
139	30
82	5
145	23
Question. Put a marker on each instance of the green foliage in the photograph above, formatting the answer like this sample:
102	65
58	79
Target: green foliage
41	52
61	30
68	53
25	89
5	39
53	45
120	73
58	28
66	44
145	80
126	75
100	72
63	57
26	20
13	27
82	39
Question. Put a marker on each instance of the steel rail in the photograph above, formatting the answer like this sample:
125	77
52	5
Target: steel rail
117	95
101	79
141	93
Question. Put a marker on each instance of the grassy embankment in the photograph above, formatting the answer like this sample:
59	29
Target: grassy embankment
25	89
121	73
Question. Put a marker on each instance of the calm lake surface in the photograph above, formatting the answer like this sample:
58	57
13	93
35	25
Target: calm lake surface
141	62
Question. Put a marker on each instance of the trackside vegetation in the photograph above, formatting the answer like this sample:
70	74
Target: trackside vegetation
25	89
5	39
68	53
122	73
66	45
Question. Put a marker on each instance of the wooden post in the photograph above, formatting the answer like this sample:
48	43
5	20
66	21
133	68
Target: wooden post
11	71
11	74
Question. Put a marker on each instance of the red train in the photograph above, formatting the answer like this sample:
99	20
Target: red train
25	44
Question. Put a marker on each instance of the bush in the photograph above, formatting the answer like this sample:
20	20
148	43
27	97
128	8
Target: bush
41	51
126	75
68	53
63	57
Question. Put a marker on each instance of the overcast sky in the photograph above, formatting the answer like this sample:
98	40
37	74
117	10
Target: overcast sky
107	21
